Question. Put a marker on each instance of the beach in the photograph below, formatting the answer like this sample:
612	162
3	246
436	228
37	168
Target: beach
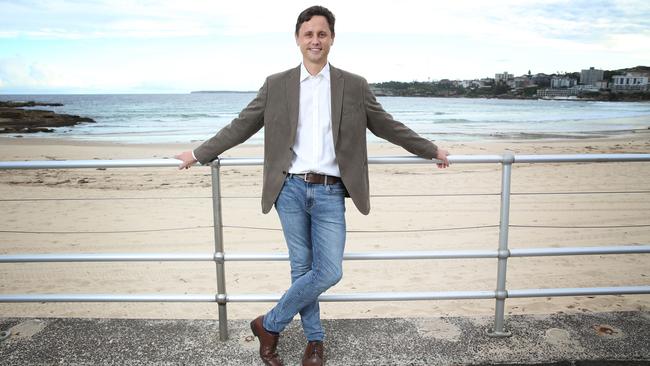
414	207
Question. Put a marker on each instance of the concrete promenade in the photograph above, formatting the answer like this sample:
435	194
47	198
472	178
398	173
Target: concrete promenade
580	339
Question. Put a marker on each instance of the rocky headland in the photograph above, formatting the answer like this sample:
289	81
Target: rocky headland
15	119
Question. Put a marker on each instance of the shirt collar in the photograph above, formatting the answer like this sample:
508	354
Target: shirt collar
304	74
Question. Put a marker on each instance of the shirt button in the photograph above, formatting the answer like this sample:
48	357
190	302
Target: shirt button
284	172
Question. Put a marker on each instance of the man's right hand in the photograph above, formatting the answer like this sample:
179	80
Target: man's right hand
187	159
442	156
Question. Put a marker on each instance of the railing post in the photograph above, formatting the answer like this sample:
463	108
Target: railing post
501	292
218	248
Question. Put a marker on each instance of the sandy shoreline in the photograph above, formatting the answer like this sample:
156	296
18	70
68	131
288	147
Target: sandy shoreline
165	210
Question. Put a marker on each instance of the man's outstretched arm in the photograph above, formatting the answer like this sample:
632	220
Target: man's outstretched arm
249	121
382	124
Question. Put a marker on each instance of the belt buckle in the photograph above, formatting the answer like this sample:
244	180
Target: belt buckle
302	176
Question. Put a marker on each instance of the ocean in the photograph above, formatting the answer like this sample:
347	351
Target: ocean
185	118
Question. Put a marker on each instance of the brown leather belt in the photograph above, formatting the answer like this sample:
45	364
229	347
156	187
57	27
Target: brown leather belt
317	178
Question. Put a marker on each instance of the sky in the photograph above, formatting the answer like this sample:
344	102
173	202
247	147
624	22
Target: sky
164	46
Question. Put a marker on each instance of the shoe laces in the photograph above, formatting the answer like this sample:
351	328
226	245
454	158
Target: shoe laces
314	350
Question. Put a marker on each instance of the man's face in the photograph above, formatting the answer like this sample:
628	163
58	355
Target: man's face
315	39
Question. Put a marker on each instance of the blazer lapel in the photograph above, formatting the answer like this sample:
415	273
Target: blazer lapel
293	101
336	83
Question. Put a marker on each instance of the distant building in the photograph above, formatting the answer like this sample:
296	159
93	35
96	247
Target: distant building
585	88
601	84
504	78
560	82
521	81
591	76
629	82
557	93
486	82
541	80
380	92
470	84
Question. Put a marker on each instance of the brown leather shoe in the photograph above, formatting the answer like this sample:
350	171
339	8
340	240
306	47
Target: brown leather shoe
314	354
268	342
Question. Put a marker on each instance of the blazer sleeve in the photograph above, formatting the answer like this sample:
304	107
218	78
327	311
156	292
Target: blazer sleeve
382	124
248	122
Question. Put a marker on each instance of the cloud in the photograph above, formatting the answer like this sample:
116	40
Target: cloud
19	74
144	19
15	71
588	21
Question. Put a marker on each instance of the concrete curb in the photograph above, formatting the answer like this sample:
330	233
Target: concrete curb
621	338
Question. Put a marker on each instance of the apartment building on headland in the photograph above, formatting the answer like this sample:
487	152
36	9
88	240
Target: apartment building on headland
522	81
630	82
504	78
560	82
592	77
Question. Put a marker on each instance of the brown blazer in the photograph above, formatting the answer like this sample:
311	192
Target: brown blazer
354	108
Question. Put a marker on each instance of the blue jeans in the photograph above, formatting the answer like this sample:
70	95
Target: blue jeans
313	222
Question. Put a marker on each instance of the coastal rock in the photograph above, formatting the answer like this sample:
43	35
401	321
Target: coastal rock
13	119
11	104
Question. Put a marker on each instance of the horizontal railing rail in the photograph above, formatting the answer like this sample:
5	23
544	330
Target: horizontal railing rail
453	159
364	296
220	256
379	255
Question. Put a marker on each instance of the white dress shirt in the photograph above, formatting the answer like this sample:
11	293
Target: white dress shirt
314	145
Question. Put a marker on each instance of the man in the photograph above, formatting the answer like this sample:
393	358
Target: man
315	118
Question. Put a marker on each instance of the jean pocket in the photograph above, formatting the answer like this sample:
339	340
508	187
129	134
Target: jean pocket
337	189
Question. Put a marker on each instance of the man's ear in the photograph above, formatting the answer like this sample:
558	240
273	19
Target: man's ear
296	37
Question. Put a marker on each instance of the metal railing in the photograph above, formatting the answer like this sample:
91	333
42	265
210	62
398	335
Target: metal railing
219	257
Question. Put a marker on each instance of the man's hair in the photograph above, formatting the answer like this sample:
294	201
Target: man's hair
310	12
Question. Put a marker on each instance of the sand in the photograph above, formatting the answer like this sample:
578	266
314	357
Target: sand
165	210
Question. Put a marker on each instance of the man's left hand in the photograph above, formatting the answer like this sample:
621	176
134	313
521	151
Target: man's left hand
186	158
